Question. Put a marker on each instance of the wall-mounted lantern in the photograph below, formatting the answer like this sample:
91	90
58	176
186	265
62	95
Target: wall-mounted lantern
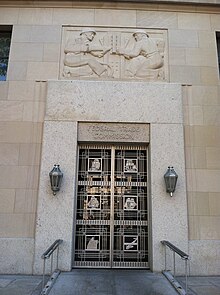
170	178
55	178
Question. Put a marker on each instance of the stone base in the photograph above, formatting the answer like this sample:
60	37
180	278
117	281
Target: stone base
204	257
16	255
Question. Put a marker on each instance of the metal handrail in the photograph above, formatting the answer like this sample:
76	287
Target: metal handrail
51	249
47	254
183	256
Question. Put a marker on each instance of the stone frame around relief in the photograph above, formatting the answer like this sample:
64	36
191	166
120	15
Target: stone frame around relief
131	244
115	38
125	201
96	239
133	165
97	198
95	165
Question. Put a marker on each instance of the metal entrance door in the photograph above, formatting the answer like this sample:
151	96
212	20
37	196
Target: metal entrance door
111	217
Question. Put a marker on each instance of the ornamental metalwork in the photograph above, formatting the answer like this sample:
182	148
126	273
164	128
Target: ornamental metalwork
112	207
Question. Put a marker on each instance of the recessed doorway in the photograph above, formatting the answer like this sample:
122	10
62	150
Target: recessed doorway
112	207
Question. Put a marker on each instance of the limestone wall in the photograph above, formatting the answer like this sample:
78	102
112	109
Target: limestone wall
35	58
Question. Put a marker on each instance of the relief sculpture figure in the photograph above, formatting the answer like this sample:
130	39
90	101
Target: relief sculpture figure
143	60
83	56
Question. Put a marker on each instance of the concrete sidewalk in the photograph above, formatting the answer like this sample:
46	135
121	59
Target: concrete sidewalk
111	282
107	282
202	285
20	285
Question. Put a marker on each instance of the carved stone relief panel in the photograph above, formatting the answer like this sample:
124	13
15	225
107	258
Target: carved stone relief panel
114	53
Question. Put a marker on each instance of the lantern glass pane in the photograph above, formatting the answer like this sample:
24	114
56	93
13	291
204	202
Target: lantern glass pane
170	180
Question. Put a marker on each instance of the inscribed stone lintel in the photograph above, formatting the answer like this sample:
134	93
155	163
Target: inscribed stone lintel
114	132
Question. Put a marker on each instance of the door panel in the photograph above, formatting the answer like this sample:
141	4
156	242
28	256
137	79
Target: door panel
111	217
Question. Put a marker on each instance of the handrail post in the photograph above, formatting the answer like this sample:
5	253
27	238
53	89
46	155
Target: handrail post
43	280
183	255
57	257
186	273
49	254
165	258
174	264
51	266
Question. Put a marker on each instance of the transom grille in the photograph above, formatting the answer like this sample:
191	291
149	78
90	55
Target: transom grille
112	207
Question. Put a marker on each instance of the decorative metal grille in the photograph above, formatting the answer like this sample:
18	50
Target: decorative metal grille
111	217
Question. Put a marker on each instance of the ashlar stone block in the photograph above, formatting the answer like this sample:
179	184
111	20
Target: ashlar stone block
20	132
211	115
17	70
207	180
7	200
201	57
198	203
29	154
3	90
214	204
213	157
9	154
207	39
210	75
21	90
67	101
46	34
68	16
177	56
202	136
193	21
21	33
32	180
183	38
215	21
11	110
115	17
9	16
34	111
51	52
195	157
209	227
193	115
14	177
25	201
42	71
26	52
157	19
185	75
35	16
204	95
17	225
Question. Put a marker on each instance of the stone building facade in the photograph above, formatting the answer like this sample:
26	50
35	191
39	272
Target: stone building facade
113	92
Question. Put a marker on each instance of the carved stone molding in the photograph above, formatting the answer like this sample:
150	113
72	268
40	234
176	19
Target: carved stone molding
114	53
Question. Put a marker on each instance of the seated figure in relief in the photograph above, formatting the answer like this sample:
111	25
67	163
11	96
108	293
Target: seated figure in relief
83	56
144	59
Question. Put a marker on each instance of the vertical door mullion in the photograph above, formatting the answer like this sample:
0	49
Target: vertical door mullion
112	205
